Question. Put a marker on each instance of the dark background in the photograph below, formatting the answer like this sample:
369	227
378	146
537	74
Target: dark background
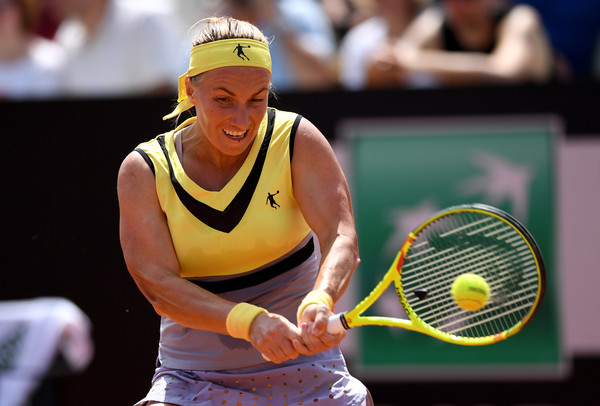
60	166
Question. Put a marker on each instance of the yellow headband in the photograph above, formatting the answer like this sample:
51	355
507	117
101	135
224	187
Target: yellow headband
219	54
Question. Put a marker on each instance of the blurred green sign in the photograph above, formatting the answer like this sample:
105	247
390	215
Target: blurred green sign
403	171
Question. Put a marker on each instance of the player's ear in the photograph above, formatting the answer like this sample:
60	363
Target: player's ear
189	87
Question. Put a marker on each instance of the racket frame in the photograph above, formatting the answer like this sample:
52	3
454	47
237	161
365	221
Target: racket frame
354	317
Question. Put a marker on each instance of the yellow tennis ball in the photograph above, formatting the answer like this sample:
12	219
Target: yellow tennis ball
471	292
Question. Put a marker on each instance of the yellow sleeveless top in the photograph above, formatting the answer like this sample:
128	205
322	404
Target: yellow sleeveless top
251	222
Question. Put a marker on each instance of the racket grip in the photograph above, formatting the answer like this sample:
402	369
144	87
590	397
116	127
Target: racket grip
335	325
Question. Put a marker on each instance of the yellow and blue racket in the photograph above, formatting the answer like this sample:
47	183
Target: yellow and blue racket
468	239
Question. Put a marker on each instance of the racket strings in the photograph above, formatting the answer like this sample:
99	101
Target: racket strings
470	242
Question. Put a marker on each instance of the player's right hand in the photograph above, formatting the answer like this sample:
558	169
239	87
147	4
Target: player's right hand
274	336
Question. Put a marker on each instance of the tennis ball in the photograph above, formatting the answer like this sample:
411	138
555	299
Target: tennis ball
471	292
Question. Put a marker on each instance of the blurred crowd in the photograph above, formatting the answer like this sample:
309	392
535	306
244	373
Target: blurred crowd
96	48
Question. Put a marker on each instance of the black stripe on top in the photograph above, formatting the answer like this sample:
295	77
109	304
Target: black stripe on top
146	158
258	277
228	219
293	135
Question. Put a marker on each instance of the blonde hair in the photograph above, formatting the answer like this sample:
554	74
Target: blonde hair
220	28
215	29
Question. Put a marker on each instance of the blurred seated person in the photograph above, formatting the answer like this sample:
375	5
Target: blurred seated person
463	42
366	55
573	28
115	48
29	65
471	42
345	14
303	44
48	21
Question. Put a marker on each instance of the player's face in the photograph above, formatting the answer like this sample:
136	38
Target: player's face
230	104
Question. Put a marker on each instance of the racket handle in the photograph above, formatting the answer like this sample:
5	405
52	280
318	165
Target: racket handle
336	324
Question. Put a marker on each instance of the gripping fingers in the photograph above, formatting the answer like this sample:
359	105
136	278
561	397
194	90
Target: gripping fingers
280	351
278	355
318	343
321	321
273	336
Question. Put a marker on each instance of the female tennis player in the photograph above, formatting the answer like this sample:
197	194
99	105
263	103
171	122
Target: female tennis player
237	227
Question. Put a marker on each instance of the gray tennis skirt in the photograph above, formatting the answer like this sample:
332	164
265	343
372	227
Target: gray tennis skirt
323	383
202	368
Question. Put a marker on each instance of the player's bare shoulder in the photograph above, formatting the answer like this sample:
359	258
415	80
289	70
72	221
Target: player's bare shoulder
134	174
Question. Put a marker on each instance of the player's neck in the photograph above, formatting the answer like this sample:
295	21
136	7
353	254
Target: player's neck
208	167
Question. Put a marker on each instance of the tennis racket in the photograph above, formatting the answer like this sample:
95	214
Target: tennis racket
476	239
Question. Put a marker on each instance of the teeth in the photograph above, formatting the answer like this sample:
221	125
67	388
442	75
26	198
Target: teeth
235	134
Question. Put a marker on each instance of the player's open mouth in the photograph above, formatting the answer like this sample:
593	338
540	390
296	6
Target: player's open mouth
235	135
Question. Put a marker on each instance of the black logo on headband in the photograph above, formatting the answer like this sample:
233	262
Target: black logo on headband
240	51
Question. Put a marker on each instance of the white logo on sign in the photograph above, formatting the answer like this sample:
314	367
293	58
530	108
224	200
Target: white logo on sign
500	180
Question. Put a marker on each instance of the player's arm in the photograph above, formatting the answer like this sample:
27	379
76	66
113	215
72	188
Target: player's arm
150	256
323	196
152	262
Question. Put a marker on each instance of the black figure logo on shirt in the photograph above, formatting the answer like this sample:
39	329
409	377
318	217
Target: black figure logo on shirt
271	200
240	51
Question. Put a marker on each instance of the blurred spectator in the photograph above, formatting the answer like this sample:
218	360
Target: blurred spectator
48	20
29	65
115	48
462	42
303	46
366	57
573	27
188	12
345	14
34	335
